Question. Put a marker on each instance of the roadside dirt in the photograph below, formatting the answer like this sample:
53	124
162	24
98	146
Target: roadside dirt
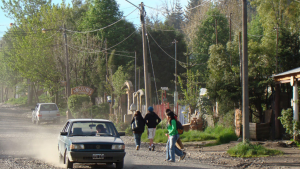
217	155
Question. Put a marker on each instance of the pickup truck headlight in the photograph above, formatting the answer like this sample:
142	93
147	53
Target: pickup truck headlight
118	147
76	146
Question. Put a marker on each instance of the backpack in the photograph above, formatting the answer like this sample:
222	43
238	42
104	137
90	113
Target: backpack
134	124
179	127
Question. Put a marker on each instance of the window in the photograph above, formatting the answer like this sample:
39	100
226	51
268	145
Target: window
90	129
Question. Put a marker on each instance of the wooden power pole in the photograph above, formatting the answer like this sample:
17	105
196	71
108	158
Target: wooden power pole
67	64
246	133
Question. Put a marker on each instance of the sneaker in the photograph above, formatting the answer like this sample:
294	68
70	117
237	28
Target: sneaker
153	147
137	147
183	156
150	148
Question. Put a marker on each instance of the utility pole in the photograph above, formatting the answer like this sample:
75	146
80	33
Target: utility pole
246	134
230	35
67	64
230	28
175	93
139	78
216	31
277	47
142	17
106	59
135	71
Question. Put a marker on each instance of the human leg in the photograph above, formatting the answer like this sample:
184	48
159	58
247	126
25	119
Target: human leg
168	150
172	147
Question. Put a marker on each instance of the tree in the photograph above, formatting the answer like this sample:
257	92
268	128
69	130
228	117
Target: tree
190	89
206	36
174	16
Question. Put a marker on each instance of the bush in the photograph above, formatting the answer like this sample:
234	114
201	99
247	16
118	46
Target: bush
75	103
249	150
18	101
220	134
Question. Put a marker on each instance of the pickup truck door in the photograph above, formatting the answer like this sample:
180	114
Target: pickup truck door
63	139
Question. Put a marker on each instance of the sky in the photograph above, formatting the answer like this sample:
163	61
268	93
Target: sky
123	6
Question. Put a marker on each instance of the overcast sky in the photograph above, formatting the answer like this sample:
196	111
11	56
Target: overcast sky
124	6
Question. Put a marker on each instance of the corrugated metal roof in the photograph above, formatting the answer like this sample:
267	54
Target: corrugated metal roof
296	70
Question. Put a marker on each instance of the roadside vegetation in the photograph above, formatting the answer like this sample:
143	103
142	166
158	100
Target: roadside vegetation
252	150
220	134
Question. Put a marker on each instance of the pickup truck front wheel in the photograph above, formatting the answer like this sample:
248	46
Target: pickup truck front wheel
68	163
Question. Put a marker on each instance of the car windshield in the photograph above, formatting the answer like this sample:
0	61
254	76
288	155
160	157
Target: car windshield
93	129
48	107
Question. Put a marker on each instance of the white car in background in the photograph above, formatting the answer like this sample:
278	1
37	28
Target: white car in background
45	112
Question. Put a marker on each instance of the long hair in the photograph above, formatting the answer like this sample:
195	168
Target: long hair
171	115
137	113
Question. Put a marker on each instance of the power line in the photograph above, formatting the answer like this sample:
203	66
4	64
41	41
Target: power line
102	27
152	69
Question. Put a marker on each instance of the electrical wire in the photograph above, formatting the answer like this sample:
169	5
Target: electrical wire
152	69
163	50
102	27
183	63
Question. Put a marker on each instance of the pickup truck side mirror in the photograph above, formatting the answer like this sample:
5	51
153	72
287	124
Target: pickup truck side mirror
122	133
63	133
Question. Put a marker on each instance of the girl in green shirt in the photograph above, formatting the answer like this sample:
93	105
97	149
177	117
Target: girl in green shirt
172	138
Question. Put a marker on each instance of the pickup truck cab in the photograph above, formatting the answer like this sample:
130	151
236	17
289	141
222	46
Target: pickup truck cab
45	112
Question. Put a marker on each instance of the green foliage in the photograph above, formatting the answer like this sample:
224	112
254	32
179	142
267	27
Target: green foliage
18	101
192	90
75	103
219	133
288	123
128	131
163	124
251	150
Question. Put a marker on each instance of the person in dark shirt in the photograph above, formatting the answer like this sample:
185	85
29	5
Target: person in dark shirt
139	124
152	120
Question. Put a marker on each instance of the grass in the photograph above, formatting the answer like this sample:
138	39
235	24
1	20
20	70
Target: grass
250	150
220	134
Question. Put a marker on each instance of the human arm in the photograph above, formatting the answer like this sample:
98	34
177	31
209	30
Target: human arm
172	129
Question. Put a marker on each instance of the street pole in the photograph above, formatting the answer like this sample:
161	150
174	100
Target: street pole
106	59
67	64
246	134
230	34
175	93
143	15
216	31
277	48
135	71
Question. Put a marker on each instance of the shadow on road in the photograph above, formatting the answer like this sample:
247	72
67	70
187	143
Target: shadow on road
170	166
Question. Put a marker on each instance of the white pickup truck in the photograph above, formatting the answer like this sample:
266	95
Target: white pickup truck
45	112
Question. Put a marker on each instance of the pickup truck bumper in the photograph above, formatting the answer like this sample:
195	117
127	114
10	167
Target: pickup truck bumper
93	157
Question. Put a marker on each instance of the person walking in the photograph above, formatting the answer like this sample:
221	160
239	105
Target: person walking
152	120
173	136
178	142
139	126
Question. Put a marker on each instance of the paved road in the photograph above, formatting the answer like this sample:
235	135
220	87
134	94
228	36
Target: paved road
28	146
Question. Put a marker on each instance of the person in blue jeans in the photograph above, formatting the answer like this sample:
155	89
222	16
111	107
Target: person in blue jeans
139	123
172	139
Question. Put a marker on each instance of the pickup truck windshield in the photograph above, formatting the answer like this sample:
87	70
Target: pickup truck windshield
93	129
48	107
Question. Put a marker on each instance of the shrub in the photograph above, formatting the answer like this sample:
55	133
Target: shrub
75	103
249	150
288	123
19	101
220	134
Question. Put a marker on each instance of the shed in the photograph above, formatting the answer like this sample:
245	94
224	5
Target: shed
292	77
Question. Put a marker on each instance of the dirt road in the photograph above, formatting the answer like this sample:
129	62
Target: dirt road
24	145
